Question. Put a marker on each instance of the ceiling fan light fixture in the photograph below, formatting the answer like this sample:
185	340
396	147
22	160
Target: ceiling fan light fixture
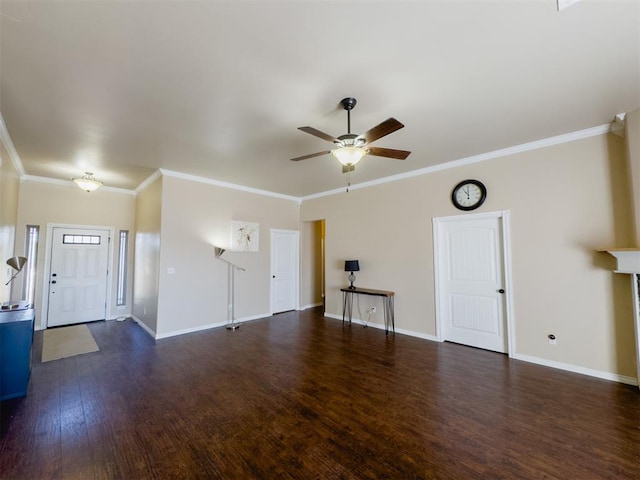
88	183
349	155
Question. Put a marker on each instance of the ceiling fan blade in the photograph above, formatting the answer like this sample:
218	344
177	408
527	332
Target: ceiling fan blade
319	134
388	152
304	157
390	125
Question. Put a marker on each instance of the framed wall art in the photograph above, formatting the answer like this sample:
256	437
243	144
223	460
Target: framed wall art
245	236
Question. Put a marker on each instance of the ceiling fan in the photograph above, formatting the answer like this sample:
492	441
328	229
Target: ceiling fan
350	147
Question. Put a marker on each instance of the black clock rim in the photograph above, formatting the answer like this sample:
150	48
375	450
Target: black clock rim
477	183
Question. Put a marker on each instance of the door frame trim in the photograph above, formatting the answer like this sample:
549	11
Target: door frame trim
44	317
505	217
296	288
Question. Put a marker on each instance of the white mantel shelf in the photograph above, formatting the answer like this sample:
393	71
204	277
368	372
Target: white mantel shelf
628	259
629	262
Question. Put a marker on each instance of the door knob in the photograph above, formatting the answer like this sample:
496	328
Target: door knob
273	276
501	290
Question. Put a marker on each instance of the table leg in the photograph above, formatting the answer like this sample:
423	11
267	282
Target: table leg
389	319
347	305
385	311
344	305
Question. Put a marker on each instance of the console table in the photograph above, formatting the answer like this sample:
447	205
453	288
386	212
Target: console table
387	301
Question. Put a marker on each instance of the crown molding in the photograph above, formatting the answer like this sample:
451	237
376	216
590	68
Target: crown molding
11	149
233	186
148	181
69	183
562	4
525	147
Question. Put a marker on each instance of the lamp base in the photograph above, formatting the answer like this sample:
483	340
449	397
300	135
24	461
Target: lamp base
352	278
233	327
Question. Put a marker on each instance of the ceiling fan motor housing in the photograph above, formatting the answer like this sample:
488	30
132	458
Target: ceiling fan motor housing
350	140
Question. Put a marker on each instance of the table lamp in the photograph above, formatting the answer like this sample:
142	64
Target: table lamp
351	266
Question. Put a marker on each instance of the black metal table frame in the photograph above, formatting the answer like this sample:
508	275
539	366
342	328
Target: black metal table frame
387	301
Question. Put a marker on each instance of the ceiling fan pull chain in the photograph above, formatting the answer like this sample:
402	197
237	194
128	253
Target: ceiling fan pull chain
348	180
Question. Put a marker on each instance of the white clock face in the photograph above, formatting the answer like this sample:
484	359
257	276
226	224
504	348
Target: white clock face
468	194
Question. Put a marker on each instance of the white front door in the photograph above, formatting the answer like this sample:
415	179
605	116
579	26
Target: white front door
284	270
470	276
78	276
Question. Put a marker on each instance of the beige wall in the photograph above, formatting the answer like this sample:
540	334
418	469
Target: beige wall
632	137
147	254
565	201
196	216
44	204
9	186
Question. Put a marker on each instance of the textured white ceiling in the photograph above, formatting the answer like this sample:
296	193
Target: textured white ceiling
218	88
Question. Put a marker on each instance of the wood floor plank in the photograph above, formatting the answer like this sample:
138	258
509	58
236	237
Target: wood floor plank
301	396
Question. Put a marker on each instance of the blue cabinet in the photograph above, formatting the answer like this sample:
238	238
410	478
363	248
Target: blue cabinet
16	339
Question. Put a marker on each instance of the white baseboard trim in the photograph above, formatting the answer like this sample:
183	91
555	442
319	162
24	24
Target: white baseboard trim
517	356
577	369
144	326
525	358
254	317
412	333
209	326
199	328
380	326
312	305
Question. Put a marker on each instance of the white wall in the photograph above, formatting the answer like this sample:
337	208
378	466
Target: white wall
9	186
147	255
196	216
632	138
566	202
47	203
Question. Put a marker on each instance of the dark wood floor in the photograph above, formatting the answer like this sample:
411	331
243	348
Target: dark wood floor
300	396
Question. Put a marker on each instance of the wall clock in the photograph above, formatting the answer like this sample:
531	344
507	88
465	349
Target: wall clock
469	194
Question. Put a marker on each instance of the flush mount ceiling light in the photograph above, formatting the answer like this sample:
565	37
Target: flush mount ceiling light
88	183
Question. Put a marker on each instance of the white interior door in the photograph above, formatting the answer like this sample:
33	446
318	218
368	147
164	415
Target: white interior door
78	276
471	281
284	270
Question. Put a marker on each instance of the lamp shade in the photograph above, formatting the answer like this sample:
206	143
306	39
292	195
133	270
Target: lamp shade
349	155
351	266
17	263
